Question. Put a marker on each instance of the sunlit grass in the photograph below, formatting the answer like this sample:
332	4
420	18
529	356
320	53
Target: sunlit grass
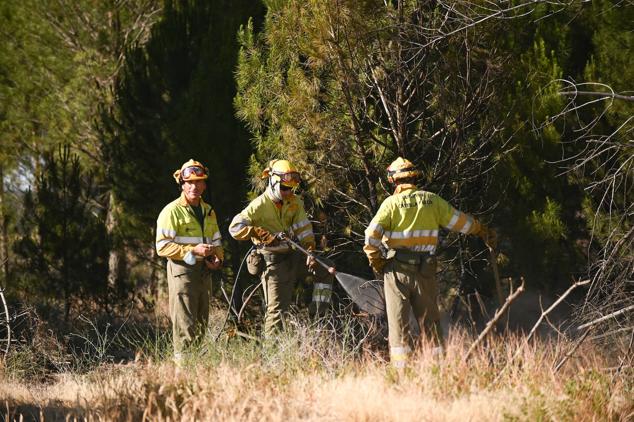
314	371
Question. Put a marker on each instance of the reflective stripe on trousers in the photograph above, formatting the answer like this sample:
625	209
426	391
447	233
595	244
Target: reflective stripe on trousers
399	356
322	292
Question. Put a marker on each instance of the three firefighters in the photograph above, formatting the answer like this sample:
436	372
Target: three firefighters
407	223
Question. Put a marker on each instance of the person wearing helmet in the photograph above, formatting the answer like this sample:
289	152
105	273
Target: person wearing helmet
407	223
280	210
187	235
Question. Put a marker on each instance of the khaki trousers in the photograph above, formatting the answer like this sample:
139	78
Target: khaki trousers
189	290
411	288
280	276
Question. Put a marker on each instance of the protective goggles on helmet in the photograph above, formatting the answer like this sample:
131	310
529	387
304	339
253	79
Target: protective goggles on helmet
291	178
408	173
193	171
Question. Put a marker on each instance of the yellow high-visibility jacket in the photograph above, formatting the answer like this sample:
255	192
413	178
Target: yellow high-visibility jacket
410	219
290	218
178	231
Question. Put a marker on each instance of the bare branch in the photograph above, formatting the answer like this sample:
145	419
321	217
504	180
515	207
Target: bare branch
606	317
494	320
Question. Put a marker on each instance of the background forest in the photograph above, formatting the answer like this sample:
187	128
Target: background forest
520	112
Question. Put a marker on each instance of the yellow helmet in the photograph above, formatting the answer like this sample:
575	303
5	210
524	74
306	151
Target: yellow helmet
401	168
282	172
191	170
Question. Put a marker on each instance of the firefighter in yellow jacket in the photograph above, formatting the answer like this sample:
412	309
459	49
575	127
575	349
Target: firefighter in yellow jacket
408	222
187	235
279	210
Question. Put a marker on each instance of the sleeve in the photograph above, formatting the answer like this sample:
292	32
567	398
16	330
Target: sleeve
166	245
455	220
374	235
302	227
241	227
216	237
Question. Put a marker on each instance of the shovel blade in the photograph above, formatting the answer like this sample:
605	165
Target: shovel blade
367	294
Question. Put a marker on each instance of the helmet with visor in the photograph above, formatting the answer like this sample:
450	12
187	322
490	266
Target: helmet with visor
191	170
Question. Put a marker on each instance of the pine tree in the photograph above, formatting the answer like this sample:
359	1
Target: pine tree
343	88
63	243
175	102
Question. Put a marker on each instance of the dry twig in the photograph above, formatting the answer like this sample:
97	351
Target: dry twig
539	321
603	318
573	350
496	317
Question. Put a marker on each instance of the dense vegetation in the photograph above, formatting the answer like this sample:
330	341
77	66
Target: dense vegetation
519	112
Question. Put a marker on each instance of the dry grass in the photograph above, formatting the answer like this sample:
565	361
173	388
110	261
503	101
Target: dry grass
309	375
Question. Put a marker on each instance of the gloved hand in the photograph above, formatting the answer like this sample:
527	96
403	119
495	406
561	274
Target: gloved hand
213	262
263	235
377	267
311	264
489	236
310	261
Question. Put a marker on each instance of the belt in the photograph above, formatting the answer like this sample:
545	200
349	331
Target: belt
280	247
273	258
410	257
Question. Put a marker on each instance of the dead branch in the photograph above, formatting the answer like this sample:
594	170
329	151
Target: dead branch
537	324
5	350
553	306
573	350
610	333
496	317
603	318
627	355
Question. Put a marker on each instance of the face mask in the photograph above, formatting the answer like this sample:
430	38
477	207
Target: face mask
274	191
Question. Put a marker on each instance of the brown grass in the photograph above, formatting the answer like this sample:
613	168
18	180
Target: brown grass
307	376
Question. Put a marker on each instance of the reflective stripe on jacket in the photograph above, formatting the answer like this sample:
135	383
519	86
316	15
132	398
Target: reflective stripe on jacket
410	219
290	218
178	230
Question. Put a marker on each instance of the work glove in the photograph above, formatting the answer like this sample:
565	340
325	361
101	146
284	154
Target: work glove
378	267
489	236
263	235
311	264
213	262
310	261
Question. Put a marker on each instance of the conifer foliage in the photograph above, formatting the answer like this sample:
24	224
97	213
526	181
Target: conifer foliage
343	88
62	246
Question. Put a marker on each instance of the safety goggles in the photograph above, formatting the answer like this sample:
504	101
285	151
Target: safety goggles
192	171
292	177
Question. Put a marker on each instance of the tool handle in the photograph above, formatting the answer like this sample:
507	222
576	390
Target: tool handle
284	236
496	273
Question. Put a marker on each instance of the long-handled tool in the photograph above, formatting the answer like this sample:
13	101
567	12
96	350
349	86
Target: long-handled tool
493	261
366	294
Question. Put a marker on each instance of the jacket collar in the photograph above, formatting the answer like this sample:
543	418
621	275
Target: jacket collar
183	202
403	187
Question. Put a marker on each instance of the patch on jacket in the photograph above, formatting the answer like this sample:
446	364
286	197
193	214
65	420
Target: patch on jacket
413	202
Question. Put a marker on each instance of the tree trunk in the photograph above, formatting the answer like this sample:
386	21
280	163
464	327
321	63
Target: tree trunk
158	278
4	237
116	257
